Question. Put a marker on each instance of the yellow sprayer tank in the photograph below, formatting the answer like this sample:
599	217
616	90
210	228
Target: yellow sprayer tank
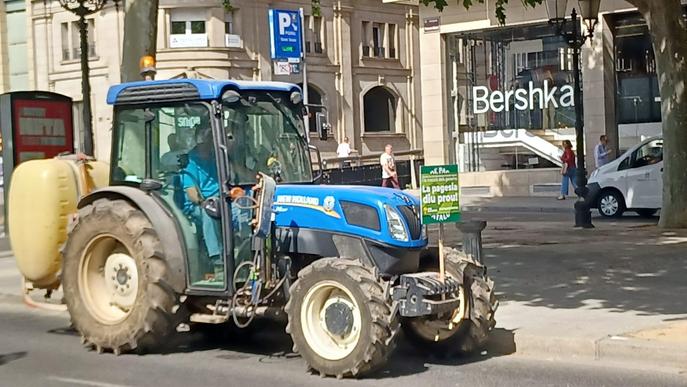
42	199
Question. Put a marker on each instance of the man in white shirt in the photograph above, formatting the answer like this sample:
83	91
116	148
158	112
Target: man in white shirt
601	152
389	175
344	150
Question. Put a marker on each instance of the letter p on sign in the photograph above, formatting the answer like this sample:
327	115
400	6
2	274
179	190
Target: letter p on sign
284	22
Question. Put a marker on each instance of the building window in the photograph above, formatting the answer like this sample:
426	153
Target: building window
231	34
379	40
638	99
379	110
187	28
314	35
71	40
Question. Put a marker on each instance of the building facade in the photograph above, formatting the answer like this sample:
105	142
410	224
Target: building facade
14	62
500	97
361	58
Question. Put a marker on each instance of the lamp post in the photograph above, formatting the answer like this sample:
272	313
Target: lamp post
589	10
83	8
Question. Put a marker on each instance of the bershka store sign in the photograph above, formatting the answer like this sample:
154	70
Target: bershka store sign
521	99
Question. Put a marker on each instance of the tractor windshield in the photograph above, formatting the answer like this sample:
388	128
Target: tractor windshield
265	134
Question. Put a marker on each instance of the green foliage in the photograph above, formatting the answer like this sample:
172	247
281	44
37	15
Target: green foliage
227	5
500	6
316	8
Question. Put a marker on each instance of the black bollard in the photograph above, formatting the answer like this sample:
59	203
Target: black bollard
472	238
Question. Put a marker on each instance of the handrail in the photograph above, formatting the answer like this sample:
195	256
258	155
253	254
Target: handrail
359	159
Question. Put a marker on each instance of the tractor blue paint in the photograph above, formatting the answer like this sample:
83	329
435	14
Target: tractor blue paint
319	207
207	89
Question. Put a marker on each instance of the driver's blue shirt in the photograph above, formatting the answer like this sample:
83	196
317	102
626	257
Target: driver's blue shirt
200	173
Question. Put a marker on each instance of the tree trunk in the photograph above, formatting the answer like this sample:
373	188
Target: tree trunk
669	33
140	36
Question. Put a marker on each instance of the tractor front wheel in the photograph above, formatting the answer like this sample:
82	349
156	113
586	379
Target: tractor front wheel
465	329
115	279
339	318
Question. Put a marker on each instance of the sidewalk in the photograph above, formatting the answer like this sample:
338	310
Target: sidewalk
614	293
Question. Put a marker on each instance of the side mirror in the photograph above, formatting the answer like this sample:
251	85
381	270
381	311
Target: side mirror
231	96
322	125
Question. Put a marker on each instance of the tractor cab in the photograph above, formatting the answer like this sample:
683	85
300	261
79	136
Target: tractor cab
192	142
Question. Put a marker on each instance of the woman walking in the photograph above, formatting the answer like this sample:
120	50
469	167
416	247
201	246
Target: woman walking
568	170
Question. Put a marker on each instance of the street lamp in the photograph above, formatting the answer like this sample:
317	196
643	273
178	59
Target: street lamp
589	10
83	8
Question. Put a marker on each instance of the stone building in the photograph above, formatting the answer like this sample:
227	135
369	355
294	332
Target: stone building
361	57
511	140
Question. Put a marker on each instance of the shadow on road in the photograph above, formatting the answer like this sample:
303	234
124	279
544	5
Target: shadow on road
9	357
268	341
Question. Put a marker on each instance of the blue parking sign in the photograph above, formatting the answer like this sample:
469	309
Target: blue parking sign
285	34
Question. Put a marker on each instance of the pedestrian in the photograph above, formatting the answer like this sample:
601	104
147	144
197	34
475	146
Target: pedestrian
389	174
568	169
601	152
344	150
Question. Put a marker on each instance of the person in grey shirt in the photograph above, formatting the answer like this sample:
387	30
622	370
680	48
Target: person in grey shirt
601	152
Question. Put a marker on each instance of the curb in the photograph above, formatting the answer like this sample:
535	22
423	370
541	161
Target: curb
6	254
611	349
474	208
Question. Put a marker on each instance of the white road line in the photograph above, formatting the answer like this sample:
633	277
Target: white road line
83	382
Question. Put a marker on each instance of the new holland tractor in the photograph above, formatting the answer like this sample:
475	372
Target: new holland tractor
209	212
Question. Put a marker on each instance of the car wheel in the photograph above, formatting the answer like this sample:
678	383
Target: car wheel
611	204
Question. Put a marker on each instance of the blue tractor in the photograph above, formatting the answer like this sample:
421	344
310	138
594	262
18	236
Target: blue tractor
214	215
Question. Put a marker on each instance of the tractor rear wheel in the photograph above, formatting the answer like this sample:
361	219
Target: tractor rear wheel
115	279
467	328
340	320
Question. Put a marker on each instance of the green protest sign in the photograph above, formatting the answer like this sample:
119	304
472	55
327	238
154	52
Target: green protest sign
440	194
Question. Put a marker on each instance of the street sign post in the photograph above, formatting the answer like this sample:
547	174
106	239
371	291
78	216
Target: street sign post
440	201
287	39
285	34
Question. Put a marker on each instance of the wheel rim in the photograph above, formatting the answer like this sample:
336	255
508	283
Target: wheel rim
331	320
609	205
108	280
444	326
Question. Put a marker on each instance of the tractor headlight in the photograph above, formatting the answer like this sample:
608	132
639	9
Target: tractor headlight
397	227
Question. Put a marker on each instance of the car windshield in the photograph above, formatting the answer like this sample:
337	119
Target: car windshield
265	134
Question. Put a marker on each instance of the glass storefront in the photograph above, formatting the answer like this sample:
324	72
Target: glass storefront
512	89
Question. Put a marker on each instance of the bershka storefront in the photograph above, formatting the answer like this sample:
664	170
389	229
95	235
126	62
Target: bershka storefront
504	99
512	101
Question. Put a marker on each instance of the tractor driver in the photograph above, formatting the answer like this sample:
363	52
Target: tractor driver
201	182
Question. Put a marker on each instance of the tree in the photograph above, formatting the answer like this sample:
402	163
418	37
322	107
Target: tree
668	31
140	36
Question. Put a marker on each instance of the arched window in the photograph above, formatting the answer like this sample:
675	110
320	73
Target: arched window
380	110
314	98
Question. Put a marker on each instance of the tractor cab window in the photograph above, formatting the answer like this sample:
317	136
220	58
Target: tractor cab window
265	134
182	158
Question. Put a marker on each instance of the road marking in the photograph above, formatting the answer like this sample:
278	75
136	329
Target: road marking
83	382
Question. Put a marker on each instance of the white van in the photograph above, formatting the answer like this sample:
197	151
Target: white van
634	181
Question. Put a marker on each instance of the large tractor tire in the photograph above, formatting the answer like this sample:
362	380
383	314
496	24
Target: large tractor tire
466	329
115	279
340	319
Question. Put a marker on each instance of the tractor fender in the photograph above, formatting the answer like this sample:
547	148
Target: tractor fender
162	220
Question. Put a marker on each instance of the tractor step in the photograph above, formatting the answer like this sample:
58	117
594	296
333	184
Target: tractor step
422	294
208	318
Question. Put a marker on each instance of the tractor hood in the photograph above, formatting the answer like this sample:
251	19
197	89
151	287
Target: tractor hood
363	211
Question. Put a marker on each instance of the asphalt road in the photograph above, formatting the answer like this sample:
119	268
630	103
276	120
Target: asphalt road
38	349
